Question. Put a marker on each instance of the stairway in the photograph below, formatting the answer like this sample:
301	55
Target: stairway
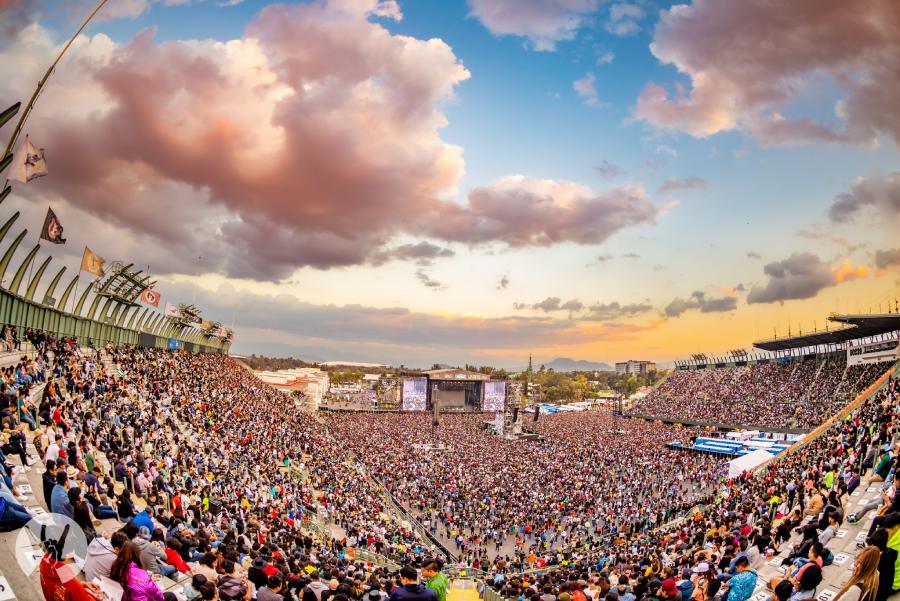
462	590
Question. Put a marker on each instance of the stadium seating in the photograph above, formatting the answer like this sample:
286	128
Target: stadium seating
775	395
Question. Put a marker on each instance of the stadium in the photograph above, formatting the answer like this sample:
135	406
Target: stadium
151	452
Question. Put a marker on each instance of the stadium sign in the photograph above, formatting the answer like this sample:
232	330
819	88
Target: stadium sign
875	352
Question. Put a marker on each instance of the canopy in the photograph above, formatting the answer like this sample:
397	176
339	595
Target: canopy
747	462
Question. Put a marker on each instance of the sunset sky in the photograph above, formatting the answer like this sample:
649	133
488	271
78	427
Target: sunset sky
421	181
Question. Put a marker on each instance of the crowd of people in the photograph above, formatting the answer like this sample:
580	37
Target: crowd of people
713	555
505	503
210	473
798	394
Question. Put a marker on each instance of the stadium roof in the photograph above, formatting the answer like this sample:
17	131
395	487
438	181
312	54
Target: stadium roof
855	326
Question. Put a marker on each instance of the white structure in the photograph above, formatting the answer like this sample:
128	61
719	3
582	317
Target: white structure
635	368
311	381
747	462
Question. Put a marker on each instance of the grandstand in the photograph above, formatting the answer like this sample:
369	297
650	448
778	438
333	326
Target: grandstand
790	387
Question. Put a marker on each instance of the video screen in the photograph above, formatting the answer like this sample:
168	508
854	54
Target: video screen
494	396
415	393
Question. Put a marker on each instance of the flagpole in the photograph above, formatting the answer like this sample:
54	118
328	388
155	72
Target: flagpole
40	85
74	296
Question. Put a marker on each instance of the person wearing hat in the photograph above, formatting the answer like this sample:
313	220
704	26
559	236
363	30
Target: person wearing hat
153	557
700	576
256	572
668	590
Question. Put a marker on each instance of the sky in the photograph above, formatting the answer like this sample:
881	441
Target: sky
474	181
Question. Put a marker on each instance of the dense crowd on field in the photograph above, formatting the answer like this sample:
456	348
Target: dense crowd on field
498	502
797	394
205	471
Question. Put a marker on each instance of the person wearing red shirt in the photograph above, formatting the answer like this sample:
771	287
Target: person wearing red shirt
58	582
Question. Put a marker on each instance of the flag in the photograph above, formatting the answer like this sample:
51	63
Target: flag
30	163
150	297
172	311
92	263
53	229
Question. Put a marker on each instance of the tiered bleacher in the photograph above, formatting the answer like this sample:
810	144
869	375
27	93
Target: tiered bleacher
205	471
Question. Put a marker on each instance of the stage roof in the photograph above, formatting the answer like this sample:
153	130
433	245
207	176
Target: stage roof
456	374
853	327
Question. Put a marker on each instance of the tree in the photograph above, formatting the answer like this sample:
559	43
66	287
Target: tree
627	385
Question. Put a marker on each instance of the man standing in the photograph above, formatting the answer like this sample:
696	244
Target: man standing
410	589
435	579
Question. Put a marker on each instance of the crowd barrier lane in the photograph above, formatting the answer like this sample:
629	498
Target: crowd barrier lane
490	594
376	559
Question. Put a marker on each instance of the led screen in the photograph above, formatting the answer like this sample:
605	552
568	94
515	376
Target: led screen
494	396
414	395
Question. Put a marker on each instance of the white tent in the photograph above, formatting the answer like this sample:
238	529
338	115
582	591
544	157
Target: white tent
747	462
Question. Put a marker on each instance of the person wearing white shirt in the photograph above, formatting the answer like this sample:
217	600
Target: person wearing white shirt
52	450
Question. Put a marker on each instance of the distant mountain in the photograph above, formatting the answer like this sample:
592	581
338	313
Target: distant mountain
566	364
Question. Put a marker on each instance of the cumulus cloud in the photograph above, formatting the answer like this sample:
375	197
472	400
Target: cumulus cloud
689	183
503	282
340	152
543	22
753	255
580	311
740	80
802	275
427	281
699	300
422	253
551	303
624	18
605	57
586	87
522	211
614	310
607	170
881	192
572	306
886	258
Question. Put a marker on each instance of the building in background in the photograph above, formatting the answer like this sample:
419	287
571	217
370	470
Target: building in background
635	368
311	381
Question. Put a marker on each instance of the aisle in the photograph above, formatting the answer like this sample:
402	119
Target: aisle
462	590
